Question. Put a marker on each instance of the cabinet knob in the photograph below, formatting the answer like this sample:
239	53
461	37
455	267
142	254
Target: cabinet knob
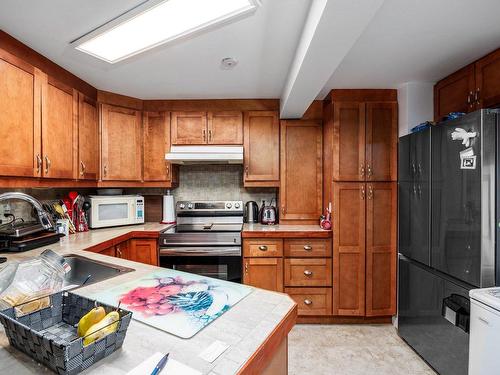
308	302
47	164
263	248
308	273
105	170
308	247
246	267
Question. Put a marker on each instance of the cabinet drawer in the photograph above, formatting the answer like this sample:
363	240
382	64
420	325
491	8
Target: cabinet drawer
308	272
302	248
312	301
263	248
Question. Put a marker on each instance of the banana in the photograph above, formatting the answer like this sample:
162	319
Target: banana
107	325
89	319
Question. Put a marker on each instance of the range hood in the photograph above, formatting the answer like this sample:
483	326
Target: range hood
205	155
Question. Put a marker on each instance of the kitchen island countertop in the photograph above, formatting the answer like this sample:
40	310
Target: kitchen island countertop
254	328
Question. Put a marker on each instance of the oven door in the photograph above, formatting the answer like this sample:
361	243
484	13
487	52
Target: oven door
222	263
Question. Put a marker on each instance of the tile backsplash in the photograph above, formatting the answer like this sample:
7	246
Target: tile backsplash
196	182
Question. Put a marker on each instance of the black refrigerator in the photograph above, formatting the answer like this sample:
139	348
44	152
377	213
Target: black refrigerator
448	227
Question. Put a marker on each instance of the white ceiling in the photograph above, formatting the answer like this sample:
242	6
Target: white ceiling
407	40
418	40
264	44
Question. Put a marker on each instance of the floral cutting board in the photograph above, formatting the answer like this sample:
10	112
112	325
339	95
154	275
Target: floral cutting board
176	302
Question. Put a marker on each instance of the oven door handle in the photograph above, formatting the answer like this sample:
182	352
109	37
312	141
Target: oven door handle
200	251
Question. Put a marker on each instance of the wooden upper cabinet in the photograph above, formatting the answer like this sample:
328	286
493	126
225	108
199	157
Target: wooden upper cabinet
381	141
455	93
301	191
59	128
264	273
381	224
488	81
225	128
156	145
349	248
261	136
88	139
349	141
189	128
121	139
19	118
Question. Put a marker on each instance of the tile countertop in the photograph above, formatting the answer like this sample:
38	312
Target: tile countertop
247	326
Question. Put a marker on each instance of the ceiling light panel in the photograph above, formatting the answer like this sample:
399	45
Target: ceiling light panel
162	23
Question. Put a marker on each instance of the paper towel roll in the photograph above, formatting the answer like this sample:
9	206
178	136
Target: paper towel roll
168	210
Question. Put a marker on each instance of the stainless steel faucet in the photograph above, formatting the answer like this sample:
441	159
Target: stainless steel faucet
44	217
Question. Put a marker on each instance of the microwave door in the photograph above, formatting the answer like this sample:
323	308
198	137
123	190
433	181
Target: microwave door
111	214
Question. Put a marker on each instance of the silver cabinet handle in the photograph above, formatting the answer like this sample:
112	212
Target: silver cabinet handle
263	248
308	247
362	170
308	302
469	99
47	164
246	267
204	135
246	170
476	96
118	251
105	170
168	169
363	192
369	171
38	163
308	273
209	135
370	192
82	164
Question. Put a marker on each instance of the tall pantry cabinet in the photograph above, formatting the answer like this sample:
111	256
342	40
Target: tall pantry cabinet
360	131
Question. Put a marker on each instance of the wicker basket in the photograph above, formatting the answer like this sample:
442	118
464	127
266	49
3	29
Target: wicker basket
49	335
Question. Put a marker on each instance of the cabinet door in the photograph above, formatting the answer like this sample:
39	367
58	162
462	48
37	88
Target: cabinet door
59	128
261	148
488	81
381	226
156	145
454	93
88	139
264	273
348	141
121	144
225	128
189	128
301	191
143	251
109	251
349	248
20	118
381	141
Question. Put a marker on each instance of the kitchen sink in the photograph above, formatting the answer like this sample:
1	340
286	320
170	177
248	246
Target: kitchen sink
82	267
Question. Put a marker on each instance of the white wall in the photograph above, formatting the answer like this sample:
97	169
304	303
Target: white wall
416	105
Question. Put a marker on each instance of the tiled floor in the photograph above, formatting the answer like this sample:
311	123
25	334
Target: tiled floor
351	350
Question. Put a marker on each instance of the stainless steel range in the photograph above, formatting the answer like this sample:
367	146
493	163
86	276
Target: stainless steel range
206	239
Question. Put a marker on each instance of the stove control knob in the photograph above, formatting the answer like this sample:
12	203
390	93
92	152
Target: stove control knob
190	206
229	205
236	205
182	206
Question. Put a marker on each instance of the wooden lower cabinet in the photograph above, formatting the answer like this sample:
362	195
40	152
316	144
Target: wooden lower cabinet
308	272
109	251
267	248
312	301
364	249
381	221
264	273
141	250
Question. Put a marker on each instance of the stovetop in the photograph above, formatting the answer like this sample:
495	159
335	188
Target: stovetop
208	227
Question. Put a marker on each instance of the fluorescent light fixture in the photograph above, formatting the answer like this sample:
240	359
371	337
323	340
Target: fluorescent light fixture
163	22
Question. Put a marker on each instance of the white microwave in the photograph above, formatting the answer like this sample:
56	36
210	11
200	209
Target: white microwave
115	210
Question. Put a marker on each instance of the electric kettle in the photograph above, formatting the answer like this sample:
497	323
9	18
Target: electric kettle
251	212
